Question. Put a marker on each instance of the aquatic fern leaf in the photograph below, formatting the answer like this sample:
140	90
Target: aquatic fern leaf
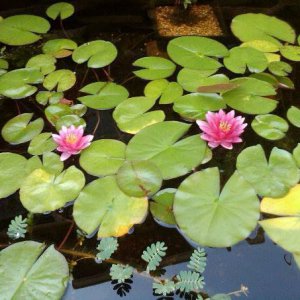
164	288
120	272
198	261
17	228
153	255
188	281
106	248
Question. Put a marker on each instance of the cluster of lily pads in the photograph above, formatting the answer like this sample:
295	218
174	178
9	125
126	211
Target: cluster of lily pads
205	76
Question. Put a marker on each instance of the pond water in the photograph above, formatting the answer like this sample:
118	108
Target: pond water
267	270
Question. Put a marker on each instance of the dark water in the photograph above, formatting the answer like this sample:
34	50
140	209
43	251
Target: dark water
268	271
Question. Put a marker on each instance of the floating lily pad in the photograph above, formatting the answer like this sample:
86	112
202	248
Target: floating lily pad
103	157
20	130
43	97
43	62
79	109
296	154
262	45
293	115
139	178
22	29
280	68
42	191
270	127
163	89
160	144
69	120
61	9
284	231
291	52
132	114
16	84
12	173
41	273
52	163
213	218
241	58
41	143
248	27
98	54
154	67
59	48
162	206
191	80
194	106
62	80
3	66
56	111
270	179
196	52
103	95
250	96
103	203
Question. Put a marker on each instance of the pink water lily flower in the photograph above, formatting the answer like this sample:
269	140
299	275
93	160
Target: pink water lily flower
70	141
222	129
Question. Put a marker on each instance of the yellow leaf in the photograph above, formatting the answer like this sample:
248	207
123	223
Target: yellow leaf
289	205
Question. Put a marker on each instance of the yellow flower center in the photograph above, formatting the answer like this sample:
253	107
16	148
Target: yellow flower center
71	138
224	126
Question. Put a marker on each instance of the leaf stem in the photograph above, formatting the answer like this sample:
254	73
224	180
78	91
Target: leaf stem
63	28
66	236
98	122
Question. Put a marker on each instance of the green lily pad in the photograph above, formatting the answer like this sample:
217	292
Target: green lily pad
270	127
215	219
69	120
42	191
41	143
12	173
241	58
59	48
296	154
20	130
162	206
61	9
22	29
41	273
139	178
103	157
62	80
132	114
52	163
293	115
249	96
285	230
280	68
248	27
266	77
194	106
79	109
262	45
291	52
43	62
166	91
196	52
3	66
43	97
154	68
270	179
98	54
16	84
160	144
56	111
102	203
191	80
103	95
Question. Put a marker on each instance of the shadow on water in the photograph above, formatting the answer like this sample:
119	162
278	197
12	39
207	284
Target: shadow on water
268	271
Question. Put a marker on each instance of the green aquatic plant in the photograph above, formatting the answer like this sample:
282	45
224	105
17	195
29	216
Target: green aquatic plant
106	248
17	228
153	255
